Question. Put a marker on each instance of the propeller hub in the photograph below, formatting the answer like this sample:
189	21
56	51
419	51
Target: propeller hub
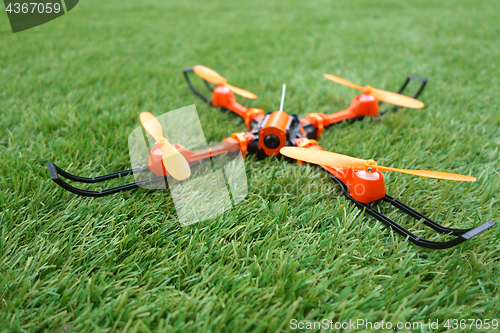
161	141
370	165
223	88
367	89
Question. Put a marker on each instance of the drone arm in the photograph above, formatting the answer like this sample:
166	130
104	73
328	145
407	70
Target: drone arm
463	234
320	121
228	146
225	99
193	158
358	109
240	139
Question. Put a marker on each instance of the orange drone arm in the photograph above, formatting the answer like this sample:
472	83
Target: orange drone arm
155	163
361	106
197	155
223	97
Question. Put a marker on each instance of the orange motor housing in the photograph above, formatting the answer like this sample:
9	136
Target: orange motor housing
361	106
223	97
155	162
363	186
272	135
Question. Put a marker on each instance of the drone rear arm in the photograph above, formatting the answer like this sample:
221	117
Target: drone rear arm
463	234
358	109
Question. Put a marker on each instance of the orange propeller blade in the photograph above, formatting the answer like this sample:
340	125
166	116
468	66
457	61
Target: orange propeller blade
240	91
396	99
432	174
174	162
322	157
342	81
327	158
381	95
208	74
212	76
151	125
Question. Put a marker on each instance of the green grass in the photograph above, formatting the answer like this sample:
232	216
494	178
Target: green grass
71	91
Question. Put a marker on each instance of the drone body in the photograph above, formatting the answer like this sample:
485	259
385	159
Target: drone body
287	135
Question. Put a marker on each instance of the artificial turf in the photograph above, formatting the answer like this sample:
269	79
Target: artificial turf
71	92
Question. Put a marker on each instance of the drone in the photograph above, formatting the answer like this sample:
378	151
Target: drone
288	137
280	134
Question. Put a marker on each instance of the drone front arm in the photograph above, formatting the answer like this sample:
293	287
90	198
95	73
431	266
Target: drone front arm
463	234
374	192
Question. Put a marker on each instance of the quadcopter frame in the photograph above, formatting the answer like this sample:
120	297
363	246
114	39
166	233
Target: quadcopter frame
267	134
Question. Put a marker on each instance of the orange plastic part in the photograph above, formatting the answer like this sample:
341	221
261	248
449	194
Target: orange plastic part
155	157
252	114
230	140
318	121
363	186
307	143
362	105
241	139
224	97
155	162
272	135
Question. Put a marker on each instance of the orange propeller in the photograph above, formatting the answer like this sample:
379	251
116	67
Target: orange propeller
381	95
212	76
174	162
327	158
